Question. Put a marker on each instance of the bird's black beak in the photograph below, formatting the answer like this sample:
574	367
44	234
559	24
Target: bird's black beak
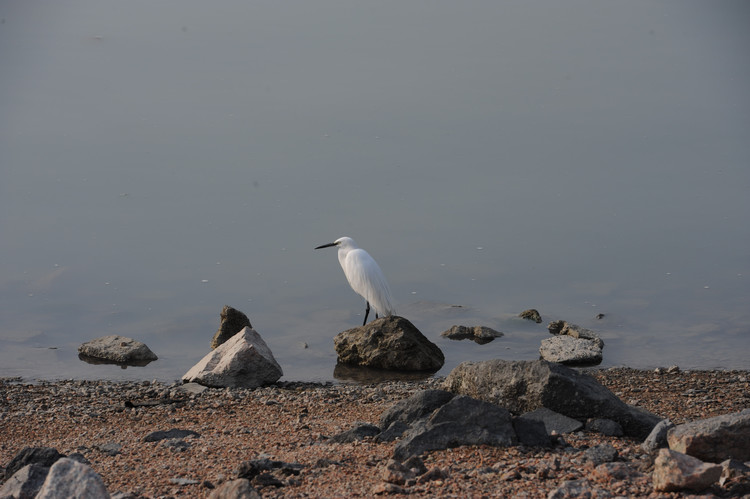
326	245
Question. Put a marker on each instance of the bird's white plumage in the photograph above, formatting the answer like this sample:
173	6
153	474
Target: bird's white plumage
364	275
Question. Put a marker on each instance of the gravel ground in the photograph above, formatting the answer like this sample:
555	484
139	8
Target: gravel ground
290	422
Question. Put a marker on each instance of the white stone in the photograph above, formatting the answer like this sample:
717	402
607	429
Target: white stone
69	478
243	361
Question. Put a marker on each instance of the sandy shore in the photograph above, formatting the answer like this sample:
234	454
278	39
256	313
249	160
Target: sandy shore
107	422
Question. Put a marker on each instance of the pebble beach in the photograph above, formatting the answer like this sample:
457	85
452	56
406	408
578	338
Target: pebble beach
291	422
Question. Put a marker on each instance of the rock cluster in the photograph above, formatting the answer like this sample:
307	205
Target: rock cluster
572	345
116	349
388	343
478	334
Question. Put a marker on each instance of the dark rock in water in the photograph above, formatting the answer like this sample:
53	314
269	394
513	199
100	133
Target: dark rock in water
388	343
155	436
657	439
523	386
479	334
359	432
553	422
244	361
532	315
605	427
232	322
69	478
461	421
118	350
45	456
25	482
714	439
419	405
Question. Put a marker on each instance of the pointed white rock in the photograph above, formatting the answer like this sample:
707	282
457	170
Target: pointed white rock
243	361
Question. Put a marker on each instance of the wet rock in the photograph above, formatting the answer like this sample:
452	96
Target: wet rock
572	345
657	439
571	351
235	489
605	427
478	334
44	456
524	386
714	439
155	436
388	343
243	361
553	422
232	322
117	349
675	471
461	421
359	432
69	478
531	314
25	482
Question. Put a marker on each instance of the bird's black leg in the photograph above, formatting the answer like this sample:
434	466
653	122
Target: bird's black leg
367	312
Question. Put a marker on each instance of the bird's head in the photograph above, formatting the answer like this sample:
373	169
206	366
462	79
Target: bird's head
342	242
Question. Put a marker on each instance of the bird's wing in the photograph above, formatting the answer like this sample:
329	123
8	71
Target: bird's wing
366	278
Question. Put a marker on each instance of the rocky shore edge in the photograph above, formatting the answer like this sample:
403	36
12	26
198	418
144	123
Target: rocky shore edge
150	439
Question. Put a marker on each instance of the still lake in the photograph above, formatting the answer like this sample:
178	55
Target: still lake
159	160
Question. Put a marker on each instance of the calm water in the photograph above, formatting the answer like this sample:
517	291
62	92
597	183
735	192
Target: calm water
161	160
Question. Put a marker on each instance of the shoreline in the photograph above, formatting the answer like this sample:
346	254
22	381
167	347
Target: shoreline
291	422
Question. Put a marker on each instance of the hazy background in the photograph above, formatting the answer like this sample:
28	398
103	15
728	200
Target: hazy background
159	160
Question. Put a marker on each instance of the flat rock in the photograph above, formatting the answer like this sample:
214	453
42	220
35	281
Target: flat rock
388	343
572	351
524	386
461	421
478	334
155	436
118	349
243	361
564	328
232	322
553	422
675	471
714	439
69	478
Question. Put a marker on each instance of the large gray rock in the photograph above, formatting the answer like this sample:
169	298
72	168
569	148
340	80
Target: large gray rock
714	439
243	361
118	349
69	478
25	483
675	471
461	421
388	343
571	351
524	386
416	407
232	322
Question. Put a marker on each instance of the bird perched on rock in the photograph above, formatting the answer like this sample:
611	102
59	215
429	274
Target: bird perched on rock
364	276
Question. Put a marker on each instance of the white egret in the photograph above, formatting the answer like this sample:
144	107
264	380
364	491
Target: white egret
364	276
